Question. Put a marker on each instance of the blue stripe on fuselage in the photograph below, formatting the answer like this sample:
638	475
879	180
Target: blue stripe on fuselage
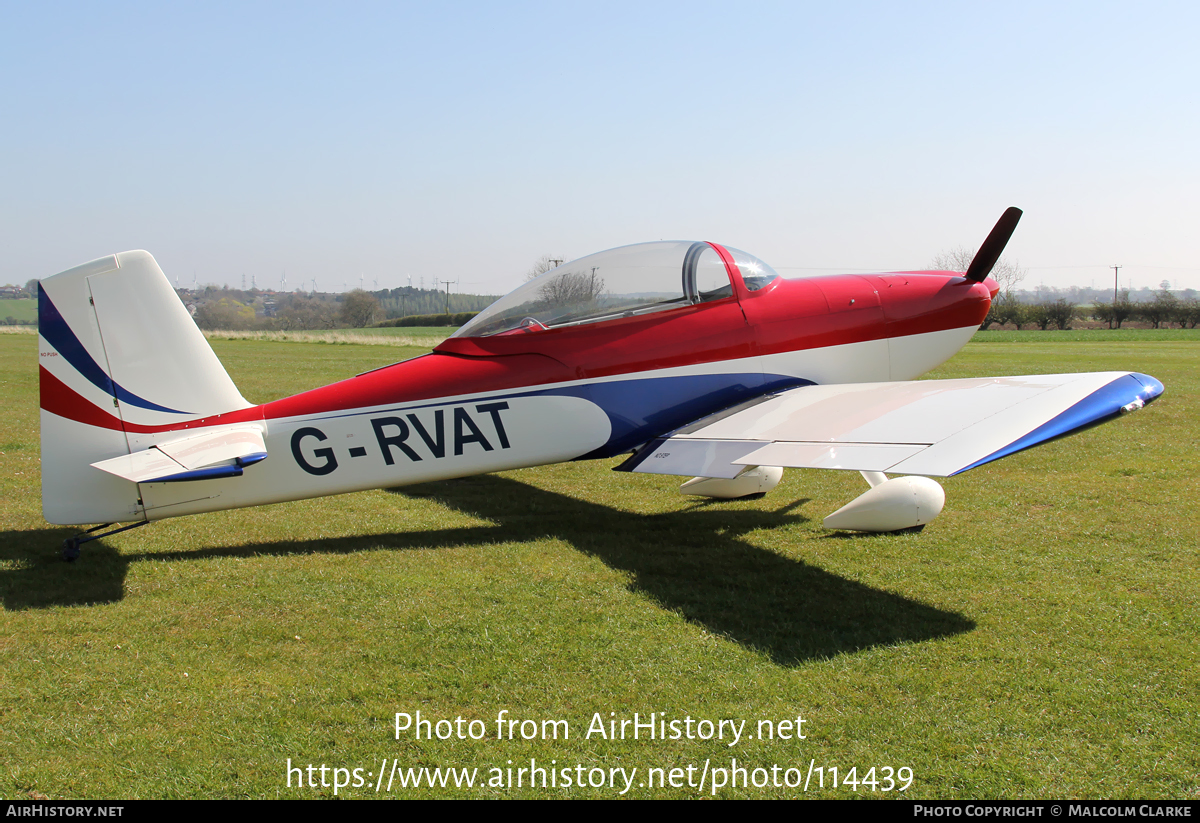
640	410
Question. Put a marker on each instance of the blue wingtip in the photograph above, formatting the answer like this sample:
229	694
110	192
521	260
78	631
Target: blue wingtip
1100	406
1151	388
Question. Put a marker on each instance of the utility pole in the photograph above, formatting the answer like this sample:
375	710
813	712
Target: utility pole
556	261
447	282
1115	269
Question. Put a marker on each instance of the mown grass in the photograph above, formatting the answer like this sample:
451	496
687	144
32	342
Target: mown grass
1038	640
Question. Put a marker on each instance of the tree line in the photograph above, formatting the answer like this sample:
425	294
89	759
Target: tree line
1165	309
236	309
1046	308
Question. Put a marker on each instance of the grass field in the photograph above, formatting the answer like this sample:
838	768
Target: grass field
1086	336
421	338
24	310
1038	640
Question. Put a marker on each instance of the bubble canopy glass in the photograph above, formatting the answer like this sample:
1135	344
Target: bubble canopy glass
624	282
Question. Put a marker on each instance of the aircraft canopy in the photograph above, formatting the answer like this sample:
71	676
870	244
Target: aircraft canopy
622	282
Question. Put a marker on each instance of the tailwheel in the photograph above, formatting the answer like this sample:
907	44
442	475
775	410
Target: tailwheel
70	550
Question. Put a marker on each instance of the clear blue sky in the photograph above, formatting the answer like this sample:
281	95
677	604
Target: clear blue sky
464	140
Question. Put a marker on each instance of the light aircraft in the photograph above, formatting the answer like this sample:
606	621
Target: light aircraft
694	358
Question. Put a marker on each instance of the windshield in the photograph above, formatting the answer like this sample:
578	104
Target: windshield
755	273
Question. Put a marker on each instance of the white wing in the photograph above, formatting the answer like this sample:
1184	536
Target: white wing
926	427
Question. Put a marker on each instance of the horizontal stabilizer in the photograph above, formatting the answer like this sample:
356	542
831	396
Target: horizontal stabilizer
927	427
221	453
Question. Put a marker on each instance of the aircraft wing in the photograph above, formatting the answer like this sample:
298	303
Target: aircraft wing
925	427
216	453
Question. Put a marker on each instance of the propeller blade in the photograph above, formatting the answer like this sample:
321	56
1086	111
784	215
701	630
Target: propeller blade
993	247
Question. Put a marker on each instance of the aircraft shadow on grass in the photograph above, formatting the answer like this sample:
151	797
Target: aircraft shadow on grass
694	562
37	578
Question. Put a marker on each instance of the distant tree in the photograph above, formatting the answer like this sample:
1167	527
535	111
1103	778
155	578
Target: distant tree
1008	273
359	309
225	313
544	264
1116	312
1039	315
31	285
1162	309
1006	309
1061	312
1123	308
305	313
572	288
1189	313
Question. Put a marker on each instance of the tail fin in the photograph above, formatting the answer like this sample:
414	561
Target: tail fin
119	355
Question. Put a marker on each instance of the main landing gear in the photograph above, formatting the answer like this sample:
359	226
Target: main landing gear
899	504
